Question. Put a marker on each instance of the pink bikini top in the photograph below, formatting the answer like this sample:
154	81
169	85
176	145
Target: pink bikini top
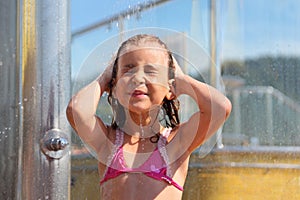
156	166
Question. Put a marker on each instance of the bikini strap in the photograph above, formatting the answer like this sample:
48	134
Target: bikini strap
117	144
119	138
162	148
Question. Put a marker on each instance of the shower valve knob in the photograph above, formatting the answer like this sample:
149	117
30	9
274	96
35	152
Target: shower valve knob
55	143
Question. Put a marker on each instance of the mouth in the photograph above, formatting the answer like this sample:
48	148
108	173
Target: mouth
139	93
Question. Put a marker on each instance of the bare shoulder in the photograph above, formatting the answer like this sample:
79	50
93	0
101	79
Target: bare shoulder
107	145
182	138
178	156
95	134
174	146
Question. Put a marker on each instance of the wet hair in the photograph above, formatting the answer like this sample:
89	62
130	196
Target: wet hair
169	108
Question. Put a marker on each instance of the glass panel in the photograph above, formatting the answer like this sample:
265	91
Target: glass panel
177	30
257	56
260	66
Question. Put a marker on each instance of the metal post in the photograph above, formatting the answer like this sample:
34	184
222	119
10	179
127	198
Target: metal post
121	29
135	10
215	72
46	90
9	98
213	43
237	113
269	115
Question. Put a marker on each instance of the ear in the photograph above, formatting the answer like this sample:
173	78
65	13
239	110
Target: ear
171	93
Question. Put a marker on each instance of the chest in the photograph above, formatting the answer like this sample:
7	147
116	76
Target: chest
137	160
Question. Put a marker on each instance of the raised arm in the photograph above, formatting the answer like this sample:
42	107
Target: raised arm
214	109
81	111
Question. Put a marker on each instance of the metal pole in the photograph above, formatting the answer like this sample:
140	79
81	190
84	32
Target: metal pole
121	29
213	43
215	72
45	90
269	115
237	113
9	98
115	18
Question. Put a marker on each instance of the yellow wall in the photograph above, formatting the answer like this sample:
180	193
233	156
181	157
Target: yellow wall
222	175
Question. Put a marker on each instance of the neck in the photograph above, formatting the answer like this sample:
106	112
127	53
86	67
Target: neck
142	125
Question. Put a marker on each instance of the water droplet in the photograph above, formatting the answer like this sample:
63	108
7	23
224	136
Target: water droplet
25	99
1	63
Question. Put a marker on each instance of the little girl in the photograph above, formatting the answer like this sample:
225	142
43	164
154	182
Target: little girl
144	153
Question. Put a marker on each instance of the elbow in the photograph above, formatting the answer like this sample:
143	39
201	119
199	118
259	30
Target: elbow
70	114
227	108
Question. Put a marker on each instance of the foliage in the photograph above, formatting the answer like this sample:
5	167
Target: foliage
281	72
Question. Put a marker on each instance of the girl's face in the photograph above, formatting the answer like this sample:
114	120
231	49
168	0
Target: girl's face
142	79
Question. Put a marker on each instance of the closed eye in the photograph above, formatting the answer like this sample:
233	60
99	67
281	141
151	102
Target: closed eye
127	68
150	69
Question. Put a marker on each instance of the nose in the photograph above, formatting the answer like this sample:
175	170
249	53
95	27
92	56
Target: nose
139	77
